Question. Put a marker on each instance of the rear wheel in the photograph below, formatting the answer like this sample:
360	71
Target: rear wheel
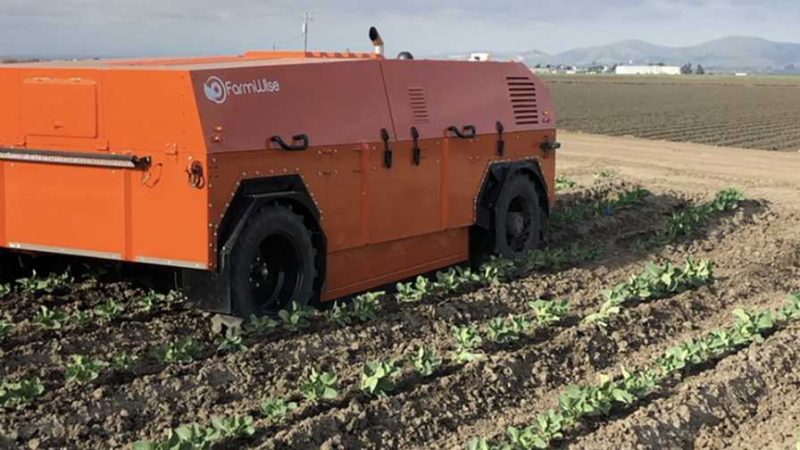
518	219
272	264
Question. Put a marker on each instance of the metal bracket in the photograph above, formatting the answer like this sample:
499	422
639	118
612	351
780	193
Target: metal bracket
501	143
387	150
416	151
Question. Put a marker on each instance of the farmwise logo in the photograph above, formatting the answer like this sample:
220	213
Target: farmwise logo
219	90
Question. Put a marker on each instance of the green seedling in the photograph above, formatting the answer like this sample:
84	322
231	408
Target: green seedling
455	279
751	326
82	369
549	312
791	310
184	350
320	386
508	330
297	318
277	410
260	326
6	328
228	427
366	306
109	310
467	341
50	319
339	315
49	285
124	362
426	361
187	437
525	438
416	291
494	271
564	183
378	377
233	342
5	289
20	393
82	319
149	301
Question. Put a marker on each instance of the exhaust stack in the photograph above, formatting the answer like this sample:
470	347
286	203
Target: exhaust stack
377	41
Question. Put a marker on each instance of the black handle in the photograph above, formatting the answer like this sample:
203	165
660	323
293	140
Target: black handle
467	132
387	150
501	143
302	138
416	151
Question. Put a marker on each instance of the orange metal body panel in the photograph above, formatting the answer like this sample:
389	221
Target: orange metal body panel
381	224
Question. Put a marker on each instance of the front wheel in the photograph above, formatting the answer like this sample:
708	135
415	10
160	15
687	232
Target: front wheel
272	263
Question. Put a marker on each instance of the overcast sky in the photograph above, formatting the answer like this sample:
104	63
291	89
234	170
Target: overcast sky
424	27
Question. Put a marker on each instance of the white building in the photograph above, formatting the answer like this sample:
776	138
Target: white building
648	70
480	57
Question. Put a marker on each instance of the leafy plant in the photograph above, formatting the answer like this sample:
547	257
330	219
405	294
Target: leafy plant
20	393
426	361
320	386
148	301
47	285
277	410
366	306
751	326
549	312
50	319
791	310
82	369
416	291
260	326
297	318
109	310
525	438
196	437
656	281
563	183
378	377
233	342
339	315
6	327
5	289
685	223
454	279
183	350
82	318
227	427
124	362
493	272
186	437
508	330
467	341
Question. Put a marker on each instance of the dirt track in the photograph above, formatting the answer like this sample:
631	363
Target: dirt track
748	400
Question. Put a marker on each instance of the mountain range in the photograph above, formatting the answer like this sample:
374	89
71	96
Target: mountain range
739	53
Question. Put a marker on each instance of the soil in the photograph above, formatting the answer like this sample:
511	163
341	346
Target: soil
747	400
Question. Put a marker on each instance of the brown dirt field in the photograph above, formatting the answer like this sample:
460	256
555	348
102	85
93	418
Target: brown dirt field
747	112
747	400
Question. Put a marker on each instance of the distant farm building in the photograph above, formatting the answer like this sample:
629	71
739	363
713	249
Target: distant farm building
648	70
480	57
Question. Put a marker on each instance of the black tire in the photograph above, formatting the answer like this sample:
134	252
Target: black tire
519	219
272	263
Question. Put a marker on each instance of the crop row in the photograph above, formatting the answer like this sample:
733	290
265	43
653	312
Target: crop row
380	378
581	403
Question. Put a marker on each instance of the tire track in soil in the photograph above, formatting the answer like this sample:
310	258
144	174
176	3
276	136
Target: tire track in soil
721	407
382	422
